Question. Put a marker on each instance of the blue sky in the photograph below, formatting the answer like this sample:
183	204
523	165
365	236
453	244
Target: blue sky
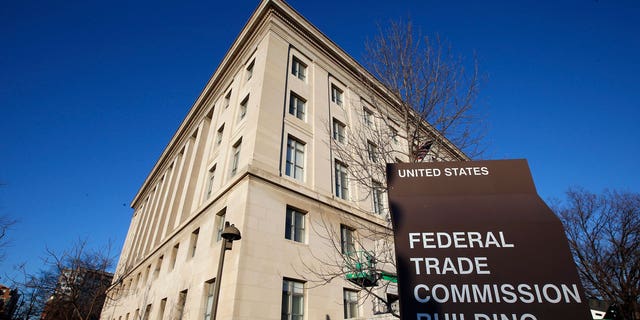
90	93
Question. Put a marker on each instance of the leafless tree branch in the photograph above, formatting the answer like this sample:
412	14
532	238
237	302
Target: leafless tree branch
604	237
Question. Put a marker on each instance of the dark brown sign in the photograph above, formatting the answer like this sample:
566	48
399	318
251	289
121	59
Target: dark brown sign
474	241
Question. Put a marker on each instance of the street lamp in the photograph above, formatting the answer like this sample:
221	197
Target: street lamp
229	235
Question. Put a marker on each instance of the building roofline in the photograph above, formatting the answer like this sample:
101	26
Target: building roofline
305	29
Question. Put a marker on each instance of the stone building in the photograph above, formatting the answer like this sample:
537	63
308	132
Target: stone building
8	302
256	150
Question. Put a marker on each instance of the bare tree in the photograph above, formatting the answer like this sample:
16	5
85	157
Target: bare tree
433	91
72	284
421	109
604	237
359	252
5	224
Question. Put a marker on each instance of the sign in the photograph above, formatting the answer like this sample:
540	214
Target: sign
474	241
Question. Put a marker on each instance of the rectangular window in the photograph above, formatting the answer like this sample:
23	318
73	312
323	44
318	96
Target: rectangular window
163	305
377	193
367	117
174	255
394	134
299	69
243	107
297	106
210	180
350	304
235	157
147	311
208	298
137	282
336	95
372	151
158	266
338	131
347	244
295	159
147	273
194	242
219	223
342	183
182	301
250	70
219	134
294	225
292	300
227	99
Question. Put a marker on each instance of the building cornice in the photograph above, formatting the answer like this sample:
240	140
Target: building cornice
259	20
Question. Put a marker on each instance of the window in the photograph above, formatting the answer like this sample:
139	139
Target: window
156	272
294	225
131	288
347	244
194	241
163	305
219	135
227	99
243	107
367	117
295	159
147	311
137	282
219	223
250	70
146	273
372	151
338	131
299	69
377	195
292	300
235	157
174	255
336	95
182	300
208	298
210	180
342	183
394	134
350	303
297	106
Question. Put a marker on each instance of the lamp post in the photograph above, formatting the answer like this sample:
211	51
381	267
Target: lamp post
229	234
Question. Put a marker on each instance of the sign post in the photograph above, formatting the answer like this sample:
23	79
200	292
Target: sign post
474	241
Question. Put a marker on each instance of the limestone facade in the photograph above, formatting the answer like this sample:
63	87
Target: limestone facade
254	148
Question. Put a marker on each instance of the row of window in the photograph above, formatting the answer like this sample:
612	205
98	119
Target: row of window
297	104
295	161
138	250
295	230
293	303
235	160
140	279
294	168
219	134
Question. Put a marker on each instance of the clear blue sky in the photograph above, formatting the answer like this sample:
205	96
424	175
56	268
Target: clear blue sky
91	92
